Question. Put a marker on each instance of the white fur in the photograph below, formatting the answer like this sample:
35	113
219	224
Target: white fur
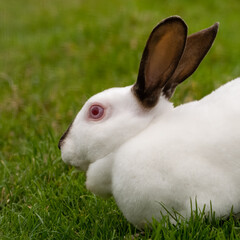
163	155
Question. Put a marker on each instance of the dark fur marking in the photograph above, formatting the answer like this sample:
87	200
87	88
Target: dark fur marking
197	46
148	93
60	143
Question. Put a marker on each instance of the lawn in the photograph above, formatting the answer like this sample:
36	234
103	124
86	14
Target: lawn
54	55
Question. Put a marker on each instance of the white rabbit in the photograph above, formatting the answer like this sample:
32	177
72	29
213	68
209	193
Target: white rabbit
134	145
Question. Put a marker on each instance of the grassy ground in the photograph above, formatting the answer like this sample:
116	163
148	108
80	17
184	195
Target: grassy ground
54	54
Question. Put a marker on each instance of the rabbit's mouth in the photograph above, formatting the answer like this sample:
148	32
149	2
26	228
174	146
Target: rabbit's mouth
70	158
83	168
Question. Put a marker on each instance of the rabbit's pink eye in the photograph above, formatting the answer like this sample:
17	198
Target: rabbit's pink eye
96	112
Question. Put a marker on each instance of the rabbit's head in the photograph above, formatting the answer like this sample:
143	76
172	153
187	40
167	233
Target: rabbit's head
105	121
110	118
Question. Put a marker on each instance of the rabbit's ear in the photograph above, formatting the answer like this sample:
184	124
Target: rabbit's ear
196	48
160	58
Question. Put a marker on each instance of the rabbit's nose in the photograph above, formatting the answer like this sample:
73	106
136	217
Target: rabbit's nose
60	143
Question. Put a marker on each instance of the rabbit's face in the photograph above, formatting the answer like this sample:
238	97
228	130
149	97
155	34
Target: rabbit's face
106	121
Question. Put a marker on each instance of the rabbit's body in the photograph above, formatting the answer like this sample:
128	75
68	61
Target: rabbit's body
134	145
191	151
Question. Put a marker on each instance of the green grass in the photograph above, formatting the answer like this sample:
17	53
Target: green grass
54	54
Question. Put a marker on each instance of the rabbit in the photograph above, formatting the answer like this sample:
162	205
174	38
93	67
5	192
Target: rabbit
136	146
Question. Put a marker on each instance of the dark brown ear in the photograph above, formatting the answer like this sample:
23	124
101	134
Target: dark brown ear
160	58
197	46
